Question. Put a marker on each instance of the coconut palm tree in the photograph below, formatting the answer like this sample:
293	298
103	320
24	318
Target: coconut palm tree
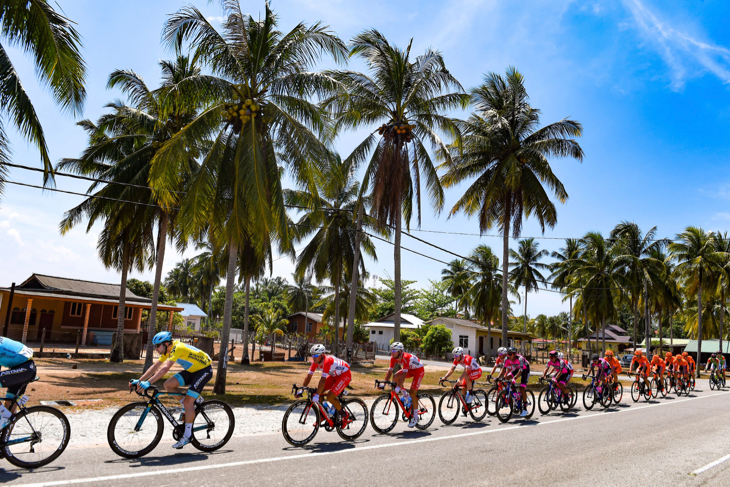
722	247
409	97
269	323
257	115
526	269
562	270
485	291
697	264
329	220
208	267
300	293
504	148
456	277
51	39
180	279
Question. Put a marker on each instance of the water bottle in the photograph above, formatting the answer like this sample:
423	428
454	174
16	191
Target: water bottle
407	402
329	408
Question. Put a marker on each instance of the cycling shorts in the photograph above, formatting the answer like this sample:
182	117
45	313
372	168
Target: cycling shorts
16	377
722	366
417	376
474	374
682	369
524	377
337	384
195	381
564	378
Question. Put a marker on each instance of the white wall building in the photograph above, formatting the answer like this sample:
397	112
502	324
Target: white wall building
381	331
192	315
463	333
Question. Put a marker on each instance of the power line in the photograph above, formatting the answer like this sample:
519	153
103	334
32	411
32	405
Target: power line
56	190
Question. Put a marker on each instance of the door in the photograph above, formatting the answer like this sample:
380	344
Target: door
481	345
46	323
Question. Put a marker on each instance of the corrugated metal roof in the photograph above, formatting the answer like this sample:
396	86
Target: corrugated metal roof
708	346
65	285
190	309
136	302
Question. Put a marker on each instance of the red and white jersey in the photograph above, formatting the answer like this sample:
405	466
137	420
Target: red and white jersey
468	362
331	366
407	362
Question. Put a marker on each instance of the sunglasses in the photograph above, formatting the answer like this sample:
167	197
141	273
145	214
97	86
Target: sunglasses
393	352
317	356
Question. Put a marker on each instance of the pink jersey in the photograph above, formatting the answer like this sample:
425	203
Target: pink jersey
469	363
516	365
331	366
407	362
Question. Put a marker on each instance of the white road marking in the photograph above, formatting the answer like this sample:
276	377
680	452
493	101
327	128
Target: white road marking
710	465
357	449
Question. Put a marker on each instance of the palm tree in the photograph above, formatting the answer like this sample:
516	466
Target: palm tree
37	29
207	267
485	291
409	97
562	270
722	247
456	277
270	324
526	269
330	253
252	260
180	279
257	114
502	146
603	281
300	293
697	263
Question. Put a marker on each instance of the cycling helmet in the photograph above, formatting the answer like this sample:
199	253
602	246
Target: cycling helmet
317	349
161	337
501	350
714	355
595	357
609	353
511	350
457	352
553	353
560	355
396	346
637	353
684	354
668	354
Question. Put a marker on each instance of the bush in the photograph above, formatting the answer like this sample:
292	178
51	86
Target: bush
437	341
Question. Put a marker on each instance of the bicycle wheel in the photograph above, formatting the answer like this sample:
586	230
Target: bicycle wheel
530	405
618	393
647	391
449	406
213	425
574	391
635	394
566	402
492	401
589	397
426	410
663	388
678	387
357	420
654	388
478	410
301	423
42	432
692	382
605	396
504	407
384	414
712	383
132	433
543	401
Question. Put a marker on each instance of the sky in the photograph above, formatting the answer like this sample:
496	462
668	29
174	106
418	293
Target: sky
648	79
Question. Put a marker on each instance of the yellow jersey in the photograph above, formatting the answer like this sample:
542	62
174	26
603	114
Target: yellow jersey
190	358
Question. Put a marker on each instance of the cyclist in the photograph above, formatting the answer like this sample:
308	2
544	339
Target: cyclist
411	367
690	362
18	359
335	377
566	364
603	370
472	371
616	368
563	371
712	363
681	366
669	359
499	362
657	366
642	365
517	365
721	363
197	373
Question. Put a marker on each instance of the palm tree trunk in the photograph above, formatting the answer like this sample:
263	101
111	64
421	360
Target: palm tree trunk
353	287
220	378
636	319
585	324
161	240
647	319
210	304
671	333
722	314
245	359
396	277
505	266
661	336
570	327
699	324
337	313
117	354
603	332
524	323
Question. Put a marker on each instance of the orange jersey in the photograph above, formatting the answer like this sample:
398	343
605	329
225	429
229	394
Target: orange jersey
656	360
640	360
671	360
680	361
690	361
615	364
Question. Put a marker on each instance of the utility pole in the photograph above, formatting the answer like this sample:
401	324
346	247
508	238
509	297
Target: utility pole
353	286
647	325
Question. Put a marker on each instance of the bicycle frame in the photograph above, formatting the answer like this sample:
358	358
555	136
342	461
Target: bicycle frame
455	389
396	397
33	438
154	401
323	413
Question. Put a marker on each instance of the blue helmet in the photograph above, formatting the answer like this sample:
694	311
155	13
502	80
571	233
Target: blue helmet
163	336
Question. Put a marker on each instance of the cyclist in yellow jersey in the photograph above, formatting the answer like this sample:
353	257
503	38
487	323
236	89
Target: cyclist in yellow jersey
196	375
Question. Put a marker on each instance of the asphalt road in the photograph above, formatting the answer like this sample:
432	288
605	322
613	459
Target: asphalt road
661	442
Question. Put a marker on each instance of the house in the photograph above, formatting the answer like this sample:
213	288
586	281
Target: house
61	307
479	340
309	324
676	345
708	348
617	339
191	315
381	330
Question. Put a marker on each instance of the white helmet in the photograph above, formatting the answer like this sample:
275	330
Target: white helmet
396	346
317	349
501	350
561	355
457	352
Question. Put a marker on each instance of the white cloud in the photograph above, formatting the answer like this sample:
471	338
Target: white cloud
214	18
5	224
16	236
721	216
14	215
687	55
52	252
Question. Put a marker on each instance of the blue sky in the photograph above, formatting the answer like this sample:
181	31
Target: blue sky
648	80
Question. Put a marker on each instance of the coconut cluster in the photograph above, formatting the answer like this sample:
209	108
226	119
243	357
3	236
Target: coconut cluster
243	112
397	130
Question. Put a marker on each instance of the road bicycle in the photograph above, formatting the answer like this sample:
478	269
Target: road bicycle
384	411
492	394
657	386
618	389
594	393
716	380
136	429
551	397
509	402
670	382
452	402
36	435
304	418
640	388
682	386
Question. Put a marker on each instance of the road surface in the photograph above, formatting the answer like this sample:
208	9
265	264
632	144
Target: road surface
671	441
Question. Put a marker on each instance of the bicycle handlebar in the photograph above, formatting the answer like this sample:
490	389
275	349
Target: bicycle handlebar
386	382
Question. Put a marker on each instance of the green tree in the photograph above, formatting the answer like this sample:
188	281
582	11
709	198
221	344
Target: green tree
437	341
54	44
409	97
386	298
270	323
434	301
456	278
502	146
485	292
526	269
561	276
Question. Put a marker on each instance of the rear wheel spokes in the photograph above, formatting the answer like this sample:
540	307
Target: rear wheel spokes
300	423
357	419
426	411
213	425
42	433
384	414
478	409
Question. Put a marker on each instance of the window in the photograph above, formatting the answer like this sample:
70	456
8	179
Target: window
372	332
127	312
491	343
293	326
309	327
464	341
77	309
17	317
380	332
